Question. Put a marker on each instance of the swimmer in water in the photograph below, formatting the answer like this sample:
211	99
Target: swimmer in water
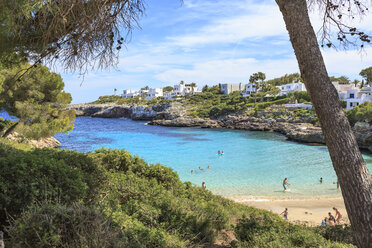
209	167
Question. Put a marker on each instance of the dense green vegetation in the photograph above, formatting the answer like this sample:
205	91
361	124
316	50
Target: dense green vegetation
362	112
109	198
37	100
286	79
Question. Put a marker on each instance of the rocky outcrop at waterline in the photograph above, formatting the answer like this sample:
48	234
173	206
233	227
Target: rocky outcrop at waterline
175	115
50	142
302	132
139	112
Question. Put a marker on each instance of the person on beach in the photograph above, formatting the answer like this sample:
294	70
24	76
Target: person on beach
332	219
338	185
321	180
285	183
338	216
203	185
285	213
325	222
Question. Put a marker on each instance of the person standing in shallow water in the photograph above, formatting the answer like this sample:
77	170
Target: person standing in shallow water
321	180
203	185
285	183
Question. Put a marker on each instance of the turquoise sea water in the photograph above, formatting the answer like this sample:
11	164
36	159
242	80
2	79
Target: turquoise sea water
254	163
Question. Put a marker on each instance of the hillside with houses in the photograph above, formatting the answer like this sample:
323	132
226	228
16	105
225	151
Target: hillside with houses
352	94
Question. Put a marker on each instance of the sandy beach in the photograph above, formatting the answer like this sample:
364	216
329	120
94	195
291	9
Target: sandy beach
309	211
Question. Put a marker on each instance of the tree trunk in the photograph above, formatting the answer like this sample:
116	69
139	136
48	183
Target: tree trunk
10	130
351	170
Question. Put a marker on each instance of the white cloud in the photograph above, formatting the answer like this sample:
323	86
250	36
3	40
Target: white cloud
229	70
259	20
348	63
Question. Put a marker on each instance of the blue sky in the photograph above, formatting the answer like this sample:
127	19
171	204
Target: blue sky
207	42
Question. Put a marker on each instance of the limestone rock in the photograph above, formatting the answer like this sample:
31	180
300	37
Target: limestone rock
50	142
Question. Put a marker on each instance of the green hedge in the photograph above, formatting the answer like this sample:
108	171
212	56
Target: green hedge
263	105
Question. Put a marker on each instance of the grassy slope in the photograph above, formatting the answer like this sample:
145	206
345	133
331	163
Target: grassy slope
109	198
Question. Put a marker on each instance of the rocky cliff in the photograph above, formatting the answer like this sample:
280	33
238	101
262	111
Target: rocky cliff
139	112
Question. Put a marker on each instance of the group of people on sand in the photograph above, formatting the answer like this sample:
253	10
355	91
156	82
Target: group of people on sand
328	221
332	220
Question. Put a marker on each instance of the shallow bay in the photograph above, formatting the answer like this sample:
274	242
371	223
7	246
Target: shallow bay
254	163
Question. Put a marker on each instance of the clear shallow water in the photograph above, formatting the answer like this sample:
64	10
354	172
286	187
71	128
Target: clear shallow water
254	163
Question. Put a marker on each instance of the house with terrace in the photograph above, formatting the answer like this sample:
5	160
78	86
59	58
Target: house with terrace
153	93
285	89
182	89
249	89
356	97
130	93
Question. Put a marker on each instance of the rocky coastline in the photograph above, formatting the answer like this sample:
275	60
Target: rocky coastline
49	142
175	115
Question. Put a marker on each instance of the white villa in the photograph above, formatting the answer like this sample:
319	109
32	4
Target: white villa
249	89
153	93
228	88
147	94
130	93
292	87
353	95
181	89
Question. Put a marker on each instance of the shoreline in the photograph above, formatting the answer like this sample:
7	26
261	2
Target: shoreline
309	211
175	115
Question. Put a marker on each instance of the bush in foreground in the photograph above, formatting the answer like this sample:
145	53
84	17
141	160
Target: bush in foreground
108	198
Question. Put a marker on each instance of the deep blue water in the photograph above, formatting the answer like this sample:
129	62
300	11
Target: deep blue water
254	163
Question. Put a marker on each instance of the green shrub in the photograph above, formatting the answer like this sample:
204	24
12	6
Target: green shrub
74	226
107	99
5	124
337	233
362	112
263	105
268	231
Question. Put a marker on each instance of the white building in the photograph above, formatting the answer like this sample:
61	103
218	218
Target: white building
130	93
153	93
249	89
355	97
292	87
182	89
342	89
228	88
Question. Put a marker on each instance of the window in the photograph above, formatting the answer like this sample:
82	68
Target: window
351	104
351	95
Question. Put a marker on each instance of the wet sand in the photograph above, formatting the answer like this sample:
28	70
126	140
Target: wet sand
309	211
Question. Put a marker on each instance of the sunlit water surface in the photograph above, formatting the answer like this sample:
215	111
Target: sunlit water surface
254	163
